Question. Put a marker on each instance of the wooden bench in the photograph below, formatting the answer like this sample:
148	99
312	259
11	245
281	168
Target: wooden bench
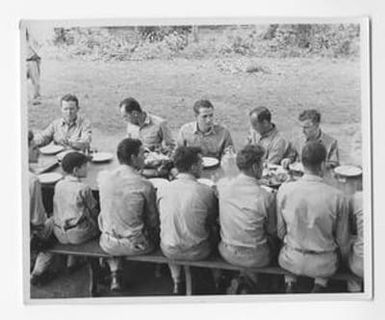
92	251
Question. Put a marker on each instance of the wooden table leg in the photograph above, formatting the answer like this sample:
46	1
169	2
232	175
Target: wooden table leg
188	278
93	268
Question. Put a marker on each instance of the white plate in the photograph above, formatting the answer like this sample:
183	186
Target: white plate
51	149
348	171
207	182
159	182
51	177
296	166
102	156
209	162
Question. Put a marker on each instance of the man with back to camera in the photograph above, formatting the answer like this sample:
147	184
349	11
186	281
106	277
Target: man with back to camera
213	139
128	218
312	221
265	133
188	211
148	128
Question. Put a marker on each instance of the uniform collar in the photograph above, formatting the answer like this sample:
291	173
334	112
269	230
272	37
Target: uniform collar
312	177
211	131
70	177
269	133
75	122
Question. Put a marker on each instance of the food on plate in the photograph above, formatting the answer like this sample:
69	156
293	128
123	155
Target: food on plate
102	156
51	149
348	171
51	177
154	159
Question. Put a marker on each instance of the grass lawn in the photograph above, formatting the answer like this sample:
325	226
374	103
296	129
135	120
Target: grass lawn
169	89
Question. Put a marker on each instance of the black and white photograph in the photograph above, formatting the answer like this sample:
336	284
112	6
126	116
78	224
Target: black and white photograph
182	158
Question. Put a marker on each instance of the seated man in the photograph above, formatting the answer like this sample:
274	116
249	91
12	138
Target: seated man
265	133
246	213
356	257
213	139
310	121
71	130
188	210
148	128
313	222
128	216
40	225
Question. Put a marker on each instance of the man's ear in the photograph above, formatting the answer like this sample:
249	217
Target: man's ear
75	171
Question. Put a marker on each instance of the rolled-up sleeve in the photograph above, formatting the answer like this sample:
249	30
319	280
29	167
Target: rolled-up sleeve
342	226
166	136
281	225
45	136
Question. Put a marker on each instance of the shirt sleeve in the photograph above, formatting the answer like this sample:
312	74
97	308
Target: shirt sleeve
333	158
84	140
228	141
281	225
166	136
90	202
44	137
38	215
278	151
180	140
151	211
342	226
271	215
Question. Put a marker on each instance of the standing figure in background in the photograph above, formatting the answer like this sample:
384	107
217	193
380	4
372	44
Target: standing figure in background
71	130
33	67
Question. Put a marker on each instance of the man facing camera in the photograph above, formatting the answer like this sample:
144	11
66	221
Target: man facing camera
312	221
71	130
213	139
310	123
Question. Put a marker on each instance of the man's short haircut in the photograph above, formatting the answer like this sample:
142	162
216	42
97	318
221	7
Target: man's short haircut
310	114
313	154
262	114
130	105
249	155
68	98
30	137
202	104
126	148
186	157
73	160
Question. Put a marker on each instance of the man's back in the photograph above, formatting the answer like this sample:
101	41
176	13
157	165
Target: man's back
246	212
186	209
126	201
312	216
